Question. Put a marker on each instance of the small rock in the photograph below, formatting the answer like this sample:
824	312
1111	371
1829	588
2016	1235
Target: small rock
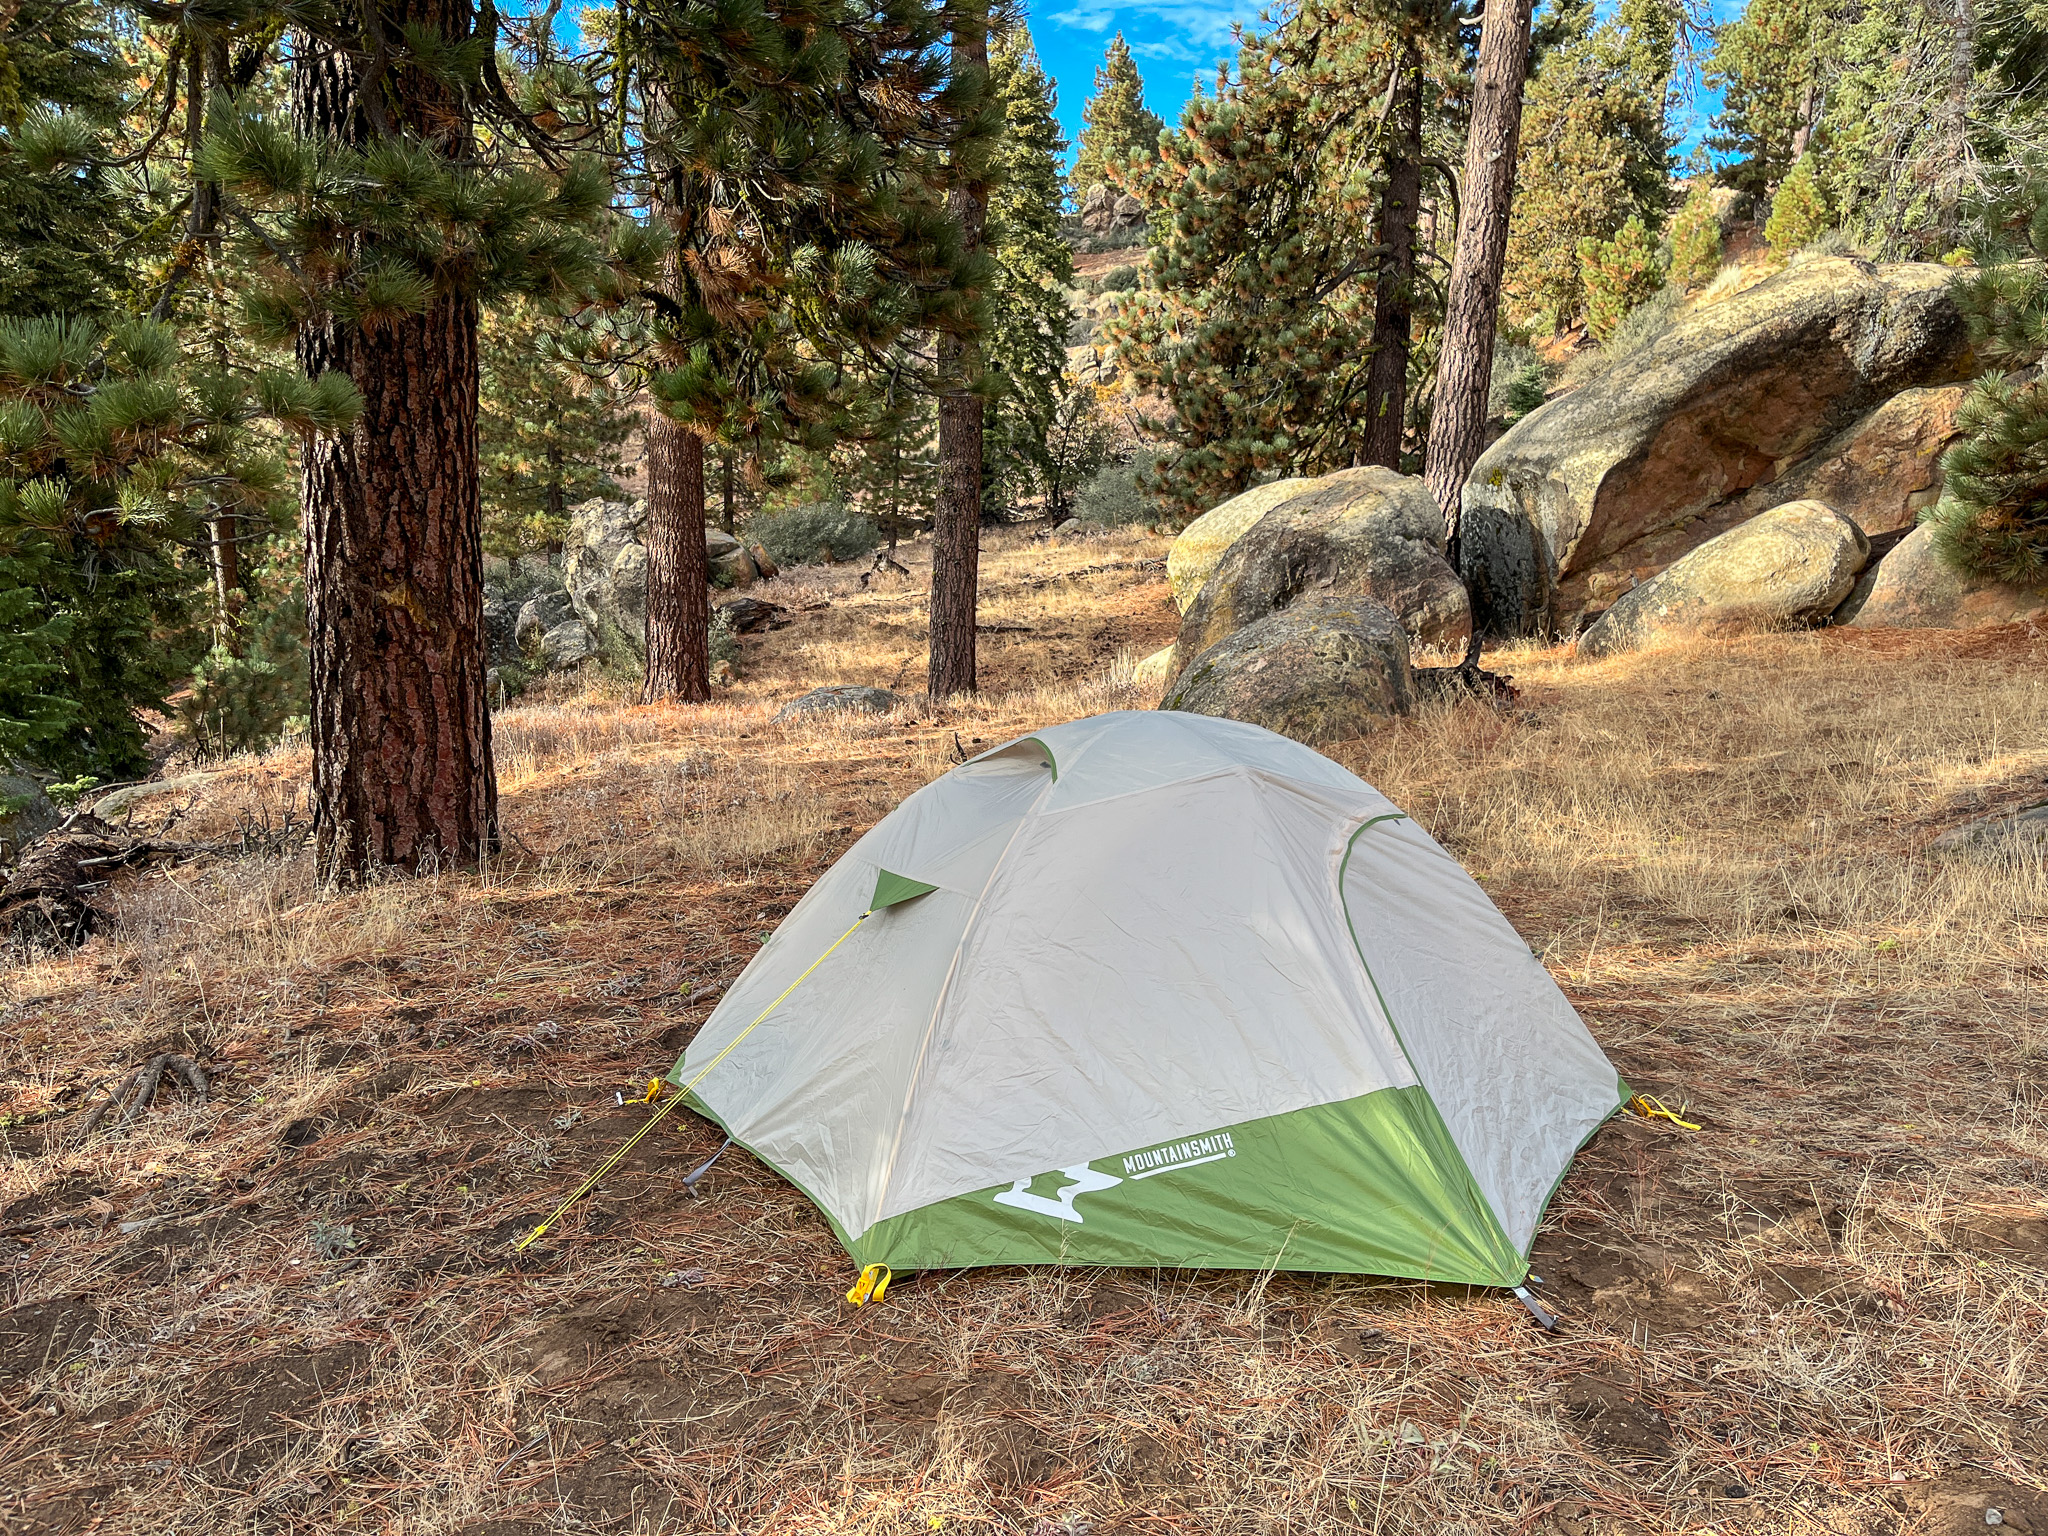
1154	669
763	561
745	615
873	701
568	644
2015	832
538	616
26	812
108	806
722	674
501	629
1071	525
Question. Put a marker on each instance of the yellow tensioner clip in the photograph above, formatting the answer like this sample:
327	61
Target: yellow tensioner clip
872	1285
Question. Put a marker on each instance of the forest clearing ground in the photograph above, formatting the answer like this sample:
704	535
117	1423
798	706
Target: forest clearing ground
297	1309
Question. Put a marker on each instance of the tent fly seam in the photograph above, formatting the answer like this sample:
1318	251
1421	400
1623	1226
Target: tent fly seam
1428	1098
924	1046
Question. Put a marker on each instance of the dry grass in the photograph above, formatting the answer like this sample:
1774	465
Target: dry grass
297	1310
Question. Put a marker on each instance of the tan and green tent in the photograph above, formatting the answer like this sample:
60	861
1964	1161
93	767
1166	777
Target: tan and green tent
1158	989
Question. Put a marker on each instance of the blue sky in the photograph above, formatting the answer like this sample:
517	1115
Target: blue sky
1178	41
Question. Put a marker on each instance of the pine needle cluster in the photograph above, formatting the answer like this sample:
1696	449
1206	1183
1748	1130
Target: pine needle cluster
1992	519
114	454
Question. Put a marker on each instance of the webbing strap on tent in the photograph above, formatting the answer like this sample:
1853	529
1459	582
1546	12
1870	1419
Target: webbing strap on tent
683	1091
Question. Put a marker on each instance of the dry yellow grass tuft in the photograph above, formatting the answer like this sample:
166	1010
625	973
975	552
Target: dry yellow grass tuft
296	1308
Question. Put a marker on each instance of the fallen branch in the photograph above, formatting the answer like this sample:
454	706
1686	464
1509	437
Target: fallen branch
49	895
144	1082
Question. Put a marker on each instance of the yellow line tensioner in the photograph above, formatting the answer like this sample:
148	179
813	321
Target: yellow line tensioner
1650	1107
682	1093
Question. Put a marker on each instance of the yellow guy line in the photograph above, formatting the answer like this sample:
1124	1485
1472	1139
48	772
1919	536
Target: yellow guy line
683	1092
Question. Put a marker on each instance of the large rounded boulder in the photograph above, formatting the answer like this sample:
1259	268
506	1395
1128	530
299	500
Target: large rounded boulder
1787	569
604	565
1202	544
1914	588
1358	534
1318	672
1754	399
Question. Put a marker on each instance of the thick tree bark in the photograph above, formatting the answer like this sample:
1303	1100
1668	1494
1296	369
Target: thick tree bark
394	555
678	574
1457	426
956	522
678	569
1386	378
726	517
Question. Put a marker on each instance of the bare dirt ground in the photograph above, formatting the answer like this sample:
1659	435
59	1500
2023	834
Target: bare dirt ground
296	1308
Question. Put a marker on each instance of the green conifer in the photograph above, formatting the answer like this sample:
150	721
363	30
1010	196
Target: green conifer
1116	122
1594	153
1769	64
1696	237
1799	213
550	423
1992	519
1618	275
1024	348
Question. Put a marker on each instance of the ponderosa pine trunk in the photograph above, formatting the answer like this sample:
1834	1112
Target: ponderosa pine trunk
678	566
1386	378
401	729
678	571
1457	423
956	520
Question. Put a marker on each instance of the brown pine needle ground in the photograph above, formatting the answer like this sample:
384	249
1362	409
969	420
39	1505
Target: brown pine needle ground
296	1308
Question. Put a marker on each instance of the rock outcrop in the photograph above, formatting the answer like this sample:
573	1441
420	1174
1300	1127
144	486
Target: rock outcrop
1318	672
1914	588
1358	534
1790	388
604	568
2017	832
1788	568
537	616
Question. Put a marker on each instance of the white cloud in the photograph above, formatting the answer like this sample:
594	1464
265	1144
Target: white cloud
1170	31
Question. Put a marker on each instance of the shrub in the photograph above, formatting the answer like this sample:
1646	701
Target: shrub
1520	383
1799	214
1115	497
725	645
1119	279
1619	274
1696	238
800	535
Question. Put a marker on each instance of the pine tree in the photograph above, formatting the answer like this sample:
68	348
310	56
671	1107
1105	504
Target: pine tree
1992	519
64	219
1026	342
1594	152
1458	421
1696	237
807	238
956	522
1116	122
1269	207
1799	214
1769	65
1618	275
114	452
551	421
377	218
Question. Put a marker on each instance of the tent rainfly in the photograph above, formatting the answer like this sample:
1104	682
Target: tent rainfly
1157	989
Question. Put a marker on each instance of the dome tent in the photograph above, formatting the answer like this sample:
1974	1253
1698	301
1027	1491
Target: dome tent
1158	989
